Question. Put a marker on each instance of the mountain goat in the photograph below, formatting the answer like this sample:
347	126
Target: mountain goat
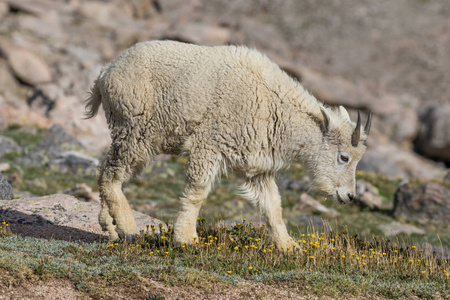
224	107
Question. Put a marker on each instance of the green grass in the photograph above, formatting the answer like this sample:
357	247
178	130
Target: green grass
43	181
26	138
336	264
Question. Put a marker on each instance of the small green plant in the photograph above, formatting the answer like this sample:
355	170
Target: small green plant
155	297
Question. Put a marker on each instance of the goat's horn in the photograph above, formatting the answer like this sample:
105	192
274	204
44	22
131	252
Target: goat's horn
357	133
369	122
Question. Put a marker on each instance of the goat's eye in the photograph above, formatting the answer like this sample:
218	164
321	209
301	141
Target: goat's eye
344	158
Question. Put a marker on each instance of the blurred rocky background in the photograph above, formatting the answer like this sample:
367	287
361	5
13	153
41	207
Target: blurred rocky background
390	57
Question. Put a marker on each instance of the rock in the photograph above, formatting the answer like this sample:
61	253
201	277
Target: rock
27	66
397	228
429	203
367	195
55	142
7	80
60	217
401	126
43	98
301	185
200	34
15	111
22	194
6	191
434	136
308	204
392	161
45	27
73	161
4	9
4	167
83	192
8	145
29	6
256	35
335	90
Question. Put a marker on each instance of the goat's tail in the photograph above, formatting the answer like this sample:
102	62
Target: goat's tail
93	102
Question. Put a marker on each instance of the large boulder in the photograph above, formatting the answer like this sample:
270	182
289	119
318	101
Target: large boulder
27	66
60	217
429	203
392	161
434	137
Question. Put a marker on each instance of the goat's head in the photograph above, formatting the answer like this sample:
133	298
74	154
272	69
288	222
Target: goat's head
333	167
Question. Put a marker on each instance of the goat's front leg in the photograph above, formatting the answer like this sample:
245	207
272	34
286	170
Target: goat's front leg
202	168
262	190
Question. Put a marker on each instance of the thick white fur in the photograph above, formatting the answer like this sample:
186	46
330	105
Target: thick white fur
225	107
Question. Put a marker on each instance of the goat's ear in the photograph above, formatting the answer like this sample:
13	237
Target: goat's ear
344	112
325	123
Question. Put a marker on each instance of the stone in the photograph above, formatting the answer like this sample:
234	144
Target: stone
335	90
7	80
38	8
60	217
287	183
434	136
4	9
397	228
28	67
256	35
201	34
4	167
8	145
367	195
428	203
46	26
14	110
401	126
394	162
308	204
43	98
6	190
73	161
55	142
83	192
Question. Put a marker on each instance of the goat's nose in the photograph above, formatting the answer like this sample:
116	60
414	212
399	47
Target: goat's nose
351	197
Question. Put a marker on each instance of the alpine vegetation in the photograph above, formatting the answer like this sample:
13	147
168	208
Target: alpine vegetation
225	108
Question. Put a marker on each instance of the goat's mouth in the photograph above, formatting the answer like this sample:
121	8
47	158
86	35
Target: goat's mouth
339	199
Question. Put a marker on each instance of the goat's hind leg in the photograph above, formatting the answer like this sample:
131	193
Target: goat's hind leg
125	158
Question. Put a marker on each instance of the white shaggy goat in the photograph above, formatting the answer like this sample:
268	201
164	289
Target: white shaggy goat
224	107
